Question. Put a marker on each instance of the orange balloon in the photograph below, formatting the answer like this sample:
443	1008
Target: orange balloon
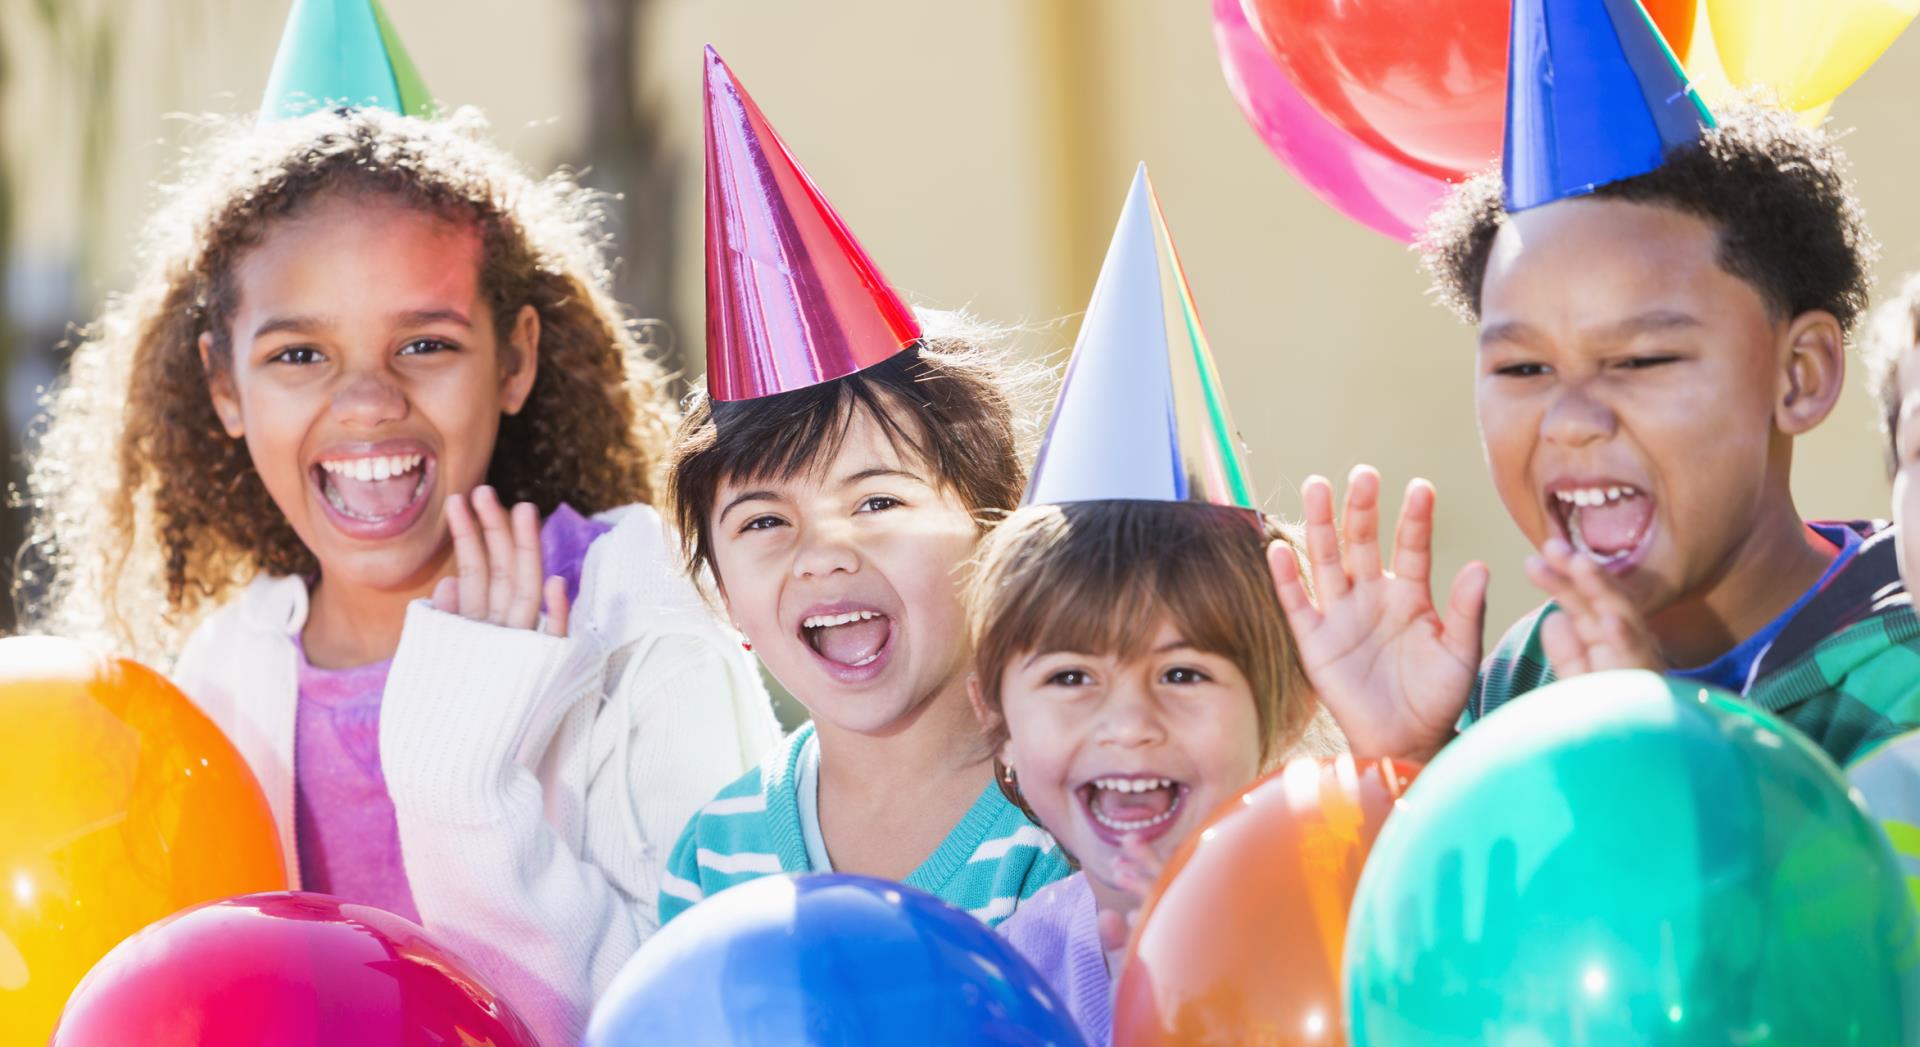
1240	942
1675	21
120	803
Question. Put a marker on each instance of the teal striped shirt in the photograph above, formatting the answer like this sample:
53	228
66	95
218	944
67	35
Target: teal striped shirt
992	860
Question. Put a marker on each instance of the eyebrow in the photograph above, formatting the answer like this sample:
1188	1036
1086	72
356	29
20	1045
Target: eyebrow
875	473
745	496
302	324
1171	645
295	324
846	481
1653	322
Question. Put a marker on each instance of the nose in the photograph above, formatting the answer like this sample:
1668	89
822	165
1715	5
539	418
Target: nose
1575	418
825	549
1130	716
369	397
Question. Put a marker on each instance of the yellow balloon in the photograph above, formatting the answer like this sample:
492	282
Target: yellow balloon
1804	51
1709	76
119	804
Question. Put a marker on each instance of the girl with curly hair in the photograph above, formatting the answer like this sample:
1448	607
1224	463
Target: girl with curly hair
358	338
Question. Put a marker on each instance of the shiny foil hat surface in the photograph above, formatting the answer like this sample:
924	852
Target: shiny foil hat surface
1141	415
341	53
1593	96
792	298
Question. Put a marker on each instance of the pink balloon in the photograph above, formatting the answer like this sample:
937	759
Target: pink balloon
1378	192
289	969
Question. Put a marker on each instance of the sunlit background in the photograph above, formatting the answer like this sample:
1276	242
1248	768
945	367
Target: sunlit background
979	149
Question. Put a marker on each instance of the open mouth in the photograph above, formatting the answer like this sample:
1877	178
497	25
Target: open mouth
374	491
1138	806
1608	523
854	639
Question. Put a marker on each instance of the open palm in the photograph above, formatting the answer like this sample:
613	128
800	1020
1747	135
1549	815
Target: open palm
1393	671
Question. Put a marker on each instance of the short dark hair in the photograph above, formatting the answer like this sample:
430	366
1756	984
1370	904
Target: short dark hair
1095	576
1893	333
1780	195
948	400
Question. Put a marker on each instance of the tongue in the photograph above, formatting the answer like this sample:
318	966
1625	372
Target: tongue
1133	807
1616	526
375	499
853	643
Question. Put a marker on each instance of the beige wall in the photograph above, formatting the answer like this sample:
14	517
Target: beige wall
981	150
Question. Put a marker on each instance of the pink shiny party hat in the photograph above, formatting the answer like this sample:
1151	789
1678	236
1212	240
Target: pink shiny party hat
792	298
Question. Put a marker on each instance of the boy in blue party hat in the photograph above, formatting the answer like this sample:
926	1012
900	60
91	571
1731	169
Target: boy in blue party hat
1663	303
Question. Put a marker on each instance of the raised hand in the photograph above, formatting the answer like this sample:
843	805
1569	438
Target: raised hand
1597	628
1133	871
497	574
1393	671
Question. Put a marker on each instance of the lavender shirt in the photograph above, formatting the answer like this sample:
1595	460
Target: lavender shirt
349	842
1058	931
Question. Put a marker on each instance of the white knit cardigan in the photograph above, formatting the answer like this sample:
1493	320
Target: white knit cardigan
538	782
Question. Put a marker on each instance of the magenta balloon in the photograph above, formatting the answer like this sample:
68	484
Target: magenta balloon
1378	192
288	969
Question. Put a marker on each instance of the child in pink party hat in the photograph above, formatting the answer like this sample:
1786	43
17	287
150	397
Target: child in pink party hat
846	458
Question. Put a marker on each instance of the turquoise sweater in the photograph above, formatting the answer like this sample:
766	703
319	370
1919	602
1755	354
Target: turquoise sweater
992	860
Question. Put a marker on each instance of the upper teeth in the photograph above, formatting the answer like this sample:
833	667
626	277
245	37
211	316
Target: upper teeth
369	469
1590	496
1132	785
823	621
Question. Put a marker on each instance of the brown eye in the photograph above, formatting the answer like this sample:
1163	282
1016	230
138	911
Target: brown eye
1069	678
1184	674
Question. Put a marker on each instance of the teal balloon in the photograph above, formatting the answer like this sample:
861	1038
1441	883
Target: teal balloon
1624	859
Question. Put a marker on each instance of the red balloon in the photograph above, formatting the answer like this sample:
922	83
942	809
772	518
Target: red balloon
1377	191
289	969
1423	81
1241	940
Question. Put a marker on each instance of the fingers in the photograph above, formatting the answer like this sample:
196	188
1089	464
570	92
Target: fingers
523	608
446	595
497	532
557	607
1113	930
1413	535
1284	563
1466	618
1323	540
1361	522
1598	613
470	558
1566	652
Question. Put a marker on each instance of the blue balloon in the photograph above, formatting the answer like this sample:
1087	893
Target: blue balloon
828	959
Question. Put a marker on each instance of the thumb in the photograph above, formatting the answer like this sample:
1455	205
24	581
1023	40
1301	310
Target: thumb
1114	928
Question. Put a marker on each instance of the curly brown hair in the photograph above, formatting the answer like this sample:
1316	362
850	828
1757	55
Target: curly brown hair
146	513
1780	195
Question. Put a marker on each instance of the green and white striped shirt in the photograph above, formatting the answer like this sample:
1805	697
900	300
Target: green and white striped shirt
992	860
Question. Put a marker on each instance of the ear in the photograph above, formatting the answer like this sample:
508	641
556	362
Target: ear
226	402
522	361
1813	372
989	720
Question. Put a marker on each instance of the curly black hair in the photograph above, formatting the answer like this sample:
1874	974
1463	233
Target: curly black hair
1780	195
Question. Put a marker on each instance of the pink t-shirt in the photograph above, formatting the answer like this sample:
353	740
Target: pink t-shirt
349	842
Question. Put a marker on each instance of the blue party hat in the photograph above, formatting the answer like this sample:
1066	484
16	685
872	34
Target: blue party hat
1141	415
1593	96
341	53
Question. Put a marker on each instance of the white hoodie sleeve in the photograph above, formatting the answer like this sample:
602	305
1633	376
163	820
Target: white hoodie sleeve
486	737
